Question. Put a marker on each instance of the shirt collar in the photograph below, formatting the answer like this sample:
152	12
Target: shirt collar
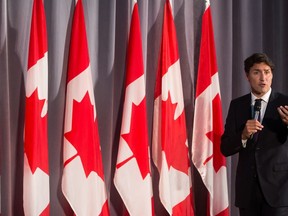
265	97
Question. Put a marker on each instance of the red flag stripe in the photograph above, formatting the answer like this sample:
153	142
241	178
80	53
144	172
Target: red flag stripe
36	167
135	65
169	49
203	81
78	63
38	35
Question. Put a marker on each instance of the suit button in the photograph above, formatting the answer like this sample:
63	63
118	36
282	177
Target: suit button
258	148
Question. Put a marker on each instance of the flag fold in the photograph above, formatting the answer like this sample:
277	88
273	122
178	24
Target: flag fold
208	124
83	182
169	142
133	166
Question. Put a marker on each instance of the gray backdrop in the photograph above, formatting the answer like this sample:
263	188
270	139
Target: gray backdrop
241	27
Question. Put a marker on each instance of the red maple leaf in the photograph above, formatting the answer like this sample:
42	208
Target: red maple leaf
174	137
84	136
137	138
35	143
215	135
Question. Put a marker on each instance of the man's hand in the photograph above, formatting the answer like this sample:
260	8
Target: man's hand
251	127
283	112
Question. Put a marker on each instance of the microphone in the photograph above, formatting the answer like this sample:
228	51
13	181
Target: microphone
257	108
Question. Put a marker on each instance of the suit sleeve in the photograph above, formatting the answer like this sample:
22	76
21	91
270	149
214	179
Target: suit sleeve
231	142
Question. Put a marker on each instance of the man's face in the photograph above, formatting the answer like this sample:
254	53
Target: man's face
260	78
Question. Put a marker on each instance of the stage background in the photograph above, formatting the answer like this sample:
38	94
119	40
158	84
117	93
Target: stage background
241	28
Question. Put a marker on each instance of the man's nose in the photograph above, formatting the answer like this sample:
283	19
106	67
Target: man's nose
262	75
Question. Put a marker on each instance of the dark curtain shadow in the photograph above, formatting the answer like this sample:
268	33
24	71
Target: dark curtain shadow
56	113
110	102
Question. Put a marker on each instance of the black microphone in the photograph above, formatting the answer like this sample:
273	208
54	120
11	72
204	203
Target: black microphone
257	108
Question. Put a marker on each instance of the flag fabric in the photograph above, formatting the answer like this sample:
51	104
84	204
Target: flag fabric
169	142
36	196
208	124
83	178
132	175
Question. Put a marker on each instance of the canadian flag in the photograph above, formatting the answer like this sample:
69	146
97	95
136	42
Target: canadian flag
83	179
169	143
132	175
36	166
208	124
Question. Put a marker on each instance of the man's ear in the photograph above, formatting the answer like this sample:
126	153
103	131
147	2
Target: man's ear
247	76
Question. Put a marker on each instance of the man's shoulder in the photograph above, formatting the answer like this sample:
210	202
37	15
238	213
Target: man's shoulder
279	96
241	99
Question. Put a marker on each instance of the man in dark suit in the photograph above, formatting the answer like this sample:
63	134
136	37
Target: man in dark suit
259	135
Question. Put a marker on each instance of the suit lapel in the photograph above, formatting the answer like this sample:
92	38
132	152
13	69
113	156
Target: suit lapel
270	109
248	107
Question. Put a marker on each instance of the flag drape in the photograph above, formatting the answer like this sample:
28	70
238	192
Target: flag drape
208	124
36	196
83	180
133	166
169	142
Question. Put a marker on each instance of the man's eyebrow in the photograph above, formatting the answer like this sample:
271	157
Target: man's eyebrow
256	69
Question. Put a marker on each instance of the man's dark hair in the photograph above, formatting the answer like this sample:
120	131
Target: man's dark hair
255	59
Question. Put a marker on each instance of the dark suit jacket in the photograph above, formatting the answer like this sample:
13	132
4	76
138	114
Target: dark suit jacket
266	159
